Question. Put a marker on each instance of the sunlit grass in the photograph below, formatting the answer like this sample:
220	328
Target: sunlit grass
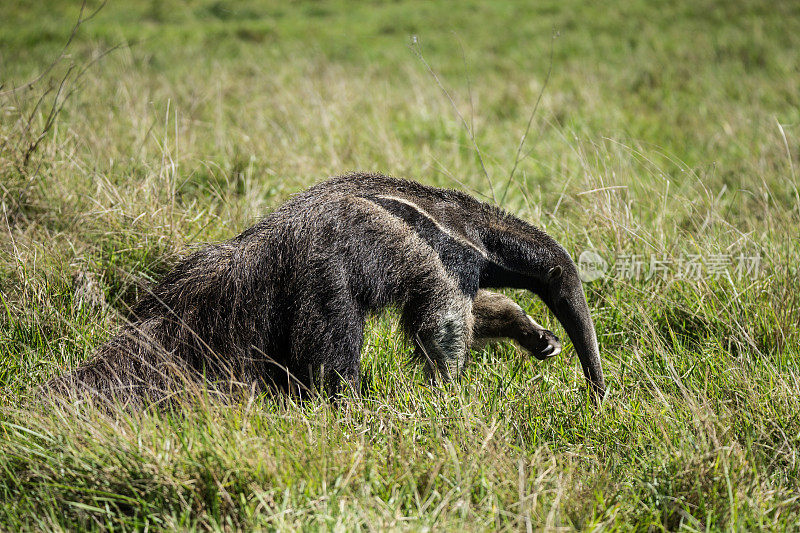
663	131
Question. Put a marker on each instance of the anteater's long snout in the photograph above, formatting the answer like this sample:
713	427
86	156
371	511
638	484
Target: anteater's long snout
574	316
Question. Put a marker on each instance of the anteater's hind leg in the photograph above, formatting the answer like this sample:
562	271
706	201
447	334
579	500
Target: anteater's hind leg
497	317
326	345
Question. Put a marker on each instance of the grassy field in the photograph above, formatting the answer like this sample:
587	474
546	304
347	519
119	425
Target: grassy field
665	137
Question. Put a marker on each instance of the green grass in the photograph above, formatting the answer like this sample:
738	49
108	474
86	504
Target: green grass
665	129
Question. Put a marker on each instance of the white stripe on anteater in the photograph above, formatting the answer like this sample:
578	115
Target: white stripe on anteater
432	219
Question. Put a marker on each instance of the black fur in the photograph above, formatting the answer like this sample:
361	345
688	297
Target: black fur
284	304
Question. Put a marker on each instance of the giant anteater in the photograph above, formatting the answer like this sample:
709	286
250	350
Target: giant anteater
284	304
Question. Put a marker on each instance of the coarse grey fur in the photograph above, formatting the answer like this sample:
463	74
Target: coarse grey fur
284	303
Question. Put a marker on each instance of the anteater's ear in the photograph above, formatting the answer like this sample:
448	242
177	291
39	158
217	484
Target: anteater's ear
554	273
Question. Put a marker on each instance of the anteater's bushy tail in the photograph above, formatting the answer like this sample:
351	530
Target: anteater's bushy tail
132	367
178	329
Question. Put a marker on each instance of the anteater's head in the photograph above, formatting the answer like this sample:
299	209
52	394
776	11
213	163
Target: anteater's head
562	292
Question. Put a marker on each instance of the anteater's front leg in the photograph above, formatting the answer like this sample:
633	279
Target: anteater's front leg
440	324
497	317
